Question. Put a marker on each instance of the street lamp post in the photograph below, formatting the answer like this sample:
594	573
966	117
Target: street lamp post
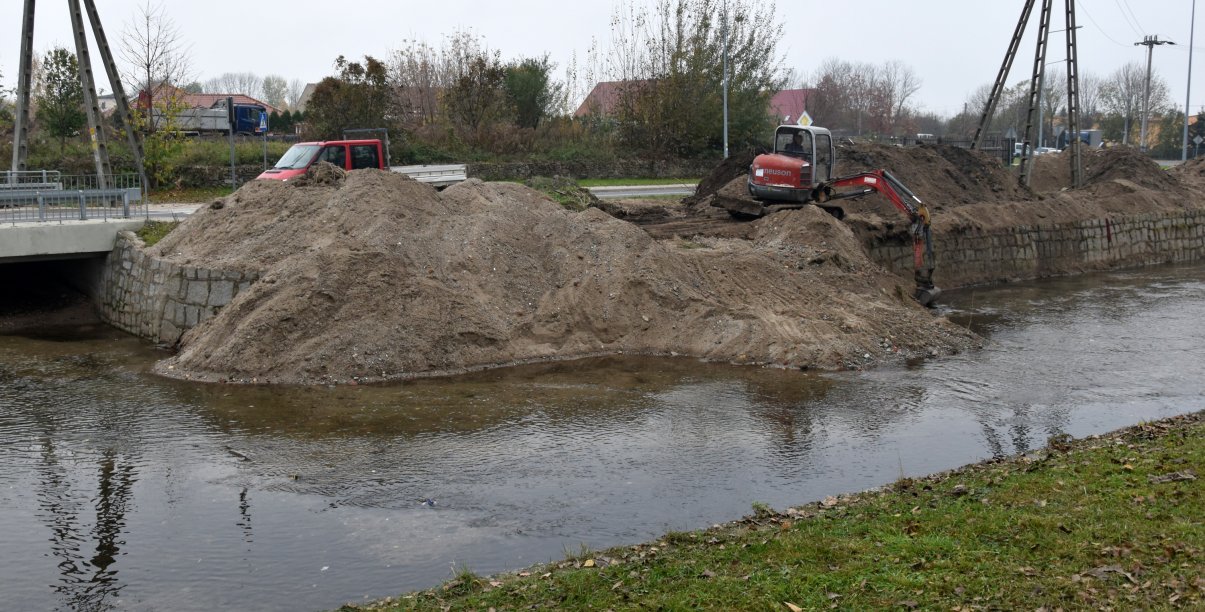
1149	42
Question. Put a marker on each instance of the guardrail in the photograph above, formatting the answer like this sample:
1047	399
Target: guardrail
437	175
50	197
30	179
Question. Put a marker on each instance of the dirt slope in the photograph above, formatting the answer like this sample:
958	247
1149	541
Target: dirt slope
376	277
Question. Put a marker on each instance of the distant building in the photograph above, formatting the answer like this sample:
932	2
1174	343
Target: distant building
604	100
195	100
306	94
107	103
788	104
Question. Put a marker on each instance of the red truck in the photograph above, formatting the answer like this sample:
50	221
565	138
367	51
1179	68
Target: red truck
347	154
354	155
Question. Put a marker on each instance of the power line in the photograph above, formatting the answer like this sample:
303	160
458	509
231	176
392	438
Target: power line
1128	9
1102	30
1133	25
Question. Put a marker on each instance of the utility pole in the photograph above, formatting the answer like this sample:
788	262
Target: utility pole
24	78
1149	42
1192	30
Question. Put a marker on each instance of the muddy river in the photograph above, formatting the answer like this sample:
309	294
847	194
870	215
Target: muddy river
120	490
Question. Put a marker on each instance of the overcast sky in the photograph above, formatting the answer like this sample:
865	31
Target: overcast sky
955	46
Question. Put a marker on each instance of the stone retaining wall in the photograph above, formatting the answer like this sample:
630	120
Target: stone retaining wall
160	300
973	256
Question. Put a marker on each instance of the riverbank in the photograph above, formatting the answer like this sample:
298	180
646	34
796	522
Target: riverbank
1104	522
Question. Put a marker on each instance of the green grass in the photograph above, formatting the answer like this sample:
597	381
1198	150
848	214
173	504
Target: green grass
189	195
628	182
154	231
1113	522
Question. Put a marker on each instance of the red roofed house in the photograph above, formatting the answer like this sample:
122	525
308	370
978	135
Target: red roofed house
785	106
788	104
203	100
604	99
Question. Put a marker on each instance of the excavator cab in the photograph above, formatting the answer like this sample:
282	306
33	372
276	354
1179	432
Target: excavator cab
803	159
811	144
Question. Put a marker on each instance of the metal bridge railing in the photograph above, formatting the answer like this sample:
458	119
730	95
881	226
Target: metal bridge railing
30	179
36	197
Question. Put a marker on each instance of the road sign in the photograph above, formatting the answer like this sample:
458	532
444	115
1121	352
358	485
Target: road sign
263	122
1198	140
805	119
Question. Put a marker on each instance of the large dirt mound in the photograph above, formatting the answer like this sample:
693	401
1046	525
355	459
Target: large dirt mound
942	175
1052	172
1191	173
379	277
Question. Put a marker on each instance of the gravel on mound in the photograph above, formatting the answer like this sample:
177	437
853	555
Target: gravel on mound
378	277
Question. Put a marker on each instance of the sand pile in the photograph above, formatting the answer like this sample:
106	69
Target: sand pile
943	176
1052	172
377	277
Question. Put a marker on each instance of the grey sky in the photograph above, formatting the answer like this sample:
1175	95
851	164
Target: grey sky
954	45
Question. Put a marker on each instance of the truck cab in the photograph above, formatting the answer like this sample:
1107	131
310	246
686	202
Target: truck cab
803	158
346	154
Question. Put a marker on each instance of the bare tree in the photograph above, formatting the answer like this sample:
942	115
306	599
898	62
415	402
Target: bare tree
1089	96
1054	102
246	83
898	82
1122	95
293	96
417	73
275	89
155	55
670	55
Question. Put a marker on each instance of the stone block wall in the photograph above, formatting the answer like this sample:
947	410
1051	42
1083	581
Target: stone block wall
160	300
971	256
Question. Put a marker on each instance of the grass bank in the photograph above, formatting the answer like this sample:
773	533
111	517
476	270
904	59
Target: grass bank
1109	522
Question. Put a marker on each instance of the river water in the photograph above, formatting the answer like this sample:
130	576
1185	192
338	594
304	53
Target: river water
120	490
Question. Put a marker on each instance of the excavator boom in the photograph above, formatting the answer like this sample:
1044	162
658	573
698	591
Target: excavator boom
890	187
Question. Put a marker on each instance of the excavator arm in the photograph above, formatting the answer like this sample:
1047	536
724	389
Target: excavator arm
890	187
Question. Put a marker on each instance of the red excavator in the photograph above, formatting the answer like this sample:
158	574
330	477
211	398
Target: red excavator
801	171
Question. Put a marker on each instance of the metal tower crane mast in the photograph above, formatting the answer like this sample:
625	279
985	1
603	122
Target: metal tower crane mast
100	146
1073	141
1002	76
1039	69
24	86
133	136
1035	88
24	77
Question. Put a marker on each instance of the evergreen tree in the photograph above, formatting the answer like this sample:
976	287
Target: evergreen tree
60	97
531	91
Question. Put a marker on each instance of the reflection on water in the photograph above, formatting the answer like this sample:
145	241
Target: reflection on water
119	490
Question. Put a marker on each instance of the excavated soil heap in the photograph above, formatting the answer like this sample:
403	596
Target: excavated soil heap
943	176
374	276
1052	172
